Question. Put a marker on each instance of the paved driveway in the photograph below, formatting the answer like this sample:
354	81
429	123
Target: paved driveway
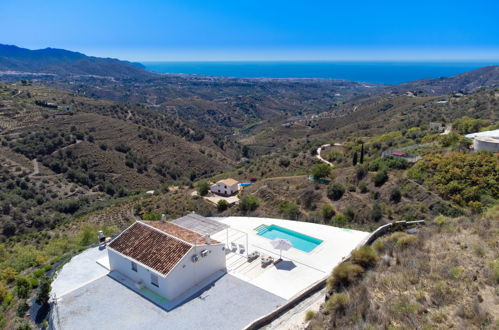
81	270
229	303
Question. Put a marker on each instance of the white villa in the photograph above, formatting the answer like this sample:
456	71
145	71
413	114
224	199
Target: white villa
225	187
164	257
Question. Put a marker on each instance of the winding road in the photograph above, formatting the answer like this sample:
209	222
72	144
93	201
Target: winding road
325	146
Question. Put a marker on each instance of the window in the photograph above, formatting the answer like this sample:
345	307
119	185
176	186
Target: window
154	280
134	266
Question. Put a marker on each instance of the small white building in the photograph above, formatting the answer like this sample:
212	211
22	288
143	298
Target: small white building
225	187
164	257
488	140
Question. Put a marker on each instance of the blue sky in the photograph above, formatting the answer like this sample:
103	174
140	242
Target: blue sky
258	30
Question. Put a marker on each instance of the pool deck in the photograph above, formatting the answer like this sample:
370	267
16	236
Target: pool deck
299	269
89	296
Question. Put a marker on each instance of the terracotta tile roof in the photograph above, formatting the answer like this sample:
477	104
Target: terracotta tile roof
178	231
228	182
150	247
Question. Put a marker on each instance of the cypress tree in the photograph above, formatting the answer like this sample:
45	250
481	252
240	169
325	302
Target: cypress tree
354	161
362	153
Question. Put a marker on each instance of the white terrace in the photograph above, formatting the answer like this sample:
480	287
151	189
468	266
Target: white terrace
299	269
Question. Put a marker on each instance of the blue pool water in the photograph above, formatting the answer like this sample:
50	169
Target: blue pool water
246	184
299	241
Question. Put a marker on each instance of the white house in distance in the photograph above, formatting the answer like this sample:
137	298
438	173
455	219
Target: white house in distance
225	187
164	257
488	140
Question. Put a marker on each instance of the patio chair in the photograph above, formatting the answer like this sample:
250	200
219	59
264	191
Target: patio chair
253	255
233	246
266	260
242	248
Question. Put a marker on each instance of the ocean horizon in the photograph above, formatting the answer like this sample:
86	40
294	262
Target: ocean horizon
371	72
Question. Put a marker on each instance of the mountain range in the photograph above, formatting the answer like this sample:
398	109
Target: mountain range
68	63
63	62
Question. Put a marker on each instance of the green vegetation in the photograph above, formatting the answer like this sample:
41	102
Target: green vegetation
320	171
335	191
289	209
380	178
466	179
222	205
249	203
203	187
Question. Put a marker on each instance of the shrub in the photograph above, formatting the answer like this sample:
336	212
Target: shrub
122	148
151	216
309	198
365	256
335	191
23	287
222	205
43	292
22	308
320	171
344	274
376	212
349	213
3	292
284	162
203	188
363	188
327	212
395	195
309	315
249	203
340	220
402	240
289	209
87	236
337	303
380	178
360	172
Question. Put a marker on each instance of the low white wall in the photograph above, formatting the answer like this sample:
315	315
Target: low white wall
187	273
486	145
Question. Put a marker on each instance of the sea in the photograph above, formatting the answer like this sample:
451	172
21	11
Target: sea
371	72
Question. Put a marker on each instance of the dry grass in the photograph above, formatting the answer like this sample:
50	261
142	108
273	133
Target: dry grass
435	279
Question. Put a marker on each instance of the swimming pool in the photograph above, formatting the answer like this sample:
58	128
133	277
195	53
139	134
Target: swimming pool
244	184
300	241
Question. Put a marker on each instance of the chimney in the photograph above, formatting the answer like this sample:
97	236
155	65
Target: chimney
207	239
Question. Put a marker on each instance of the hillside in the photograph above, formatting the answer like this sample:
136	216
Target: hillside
57	163
468	82
446	275
62	62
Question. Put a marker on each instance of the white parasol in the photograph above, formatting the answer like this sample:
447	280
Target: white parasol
281	244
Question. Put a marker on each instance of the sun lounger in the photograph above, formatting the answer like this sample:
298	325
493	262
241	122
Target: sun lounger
266	260
253	255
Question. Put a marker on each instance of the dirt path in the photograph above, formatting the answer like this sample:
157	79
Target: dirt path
70	145
448	129
319	150
36	168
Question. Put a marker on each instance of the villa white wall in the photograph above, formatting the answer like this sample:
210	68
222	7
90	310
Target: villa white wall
219	188
187	273
122	264
181	278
